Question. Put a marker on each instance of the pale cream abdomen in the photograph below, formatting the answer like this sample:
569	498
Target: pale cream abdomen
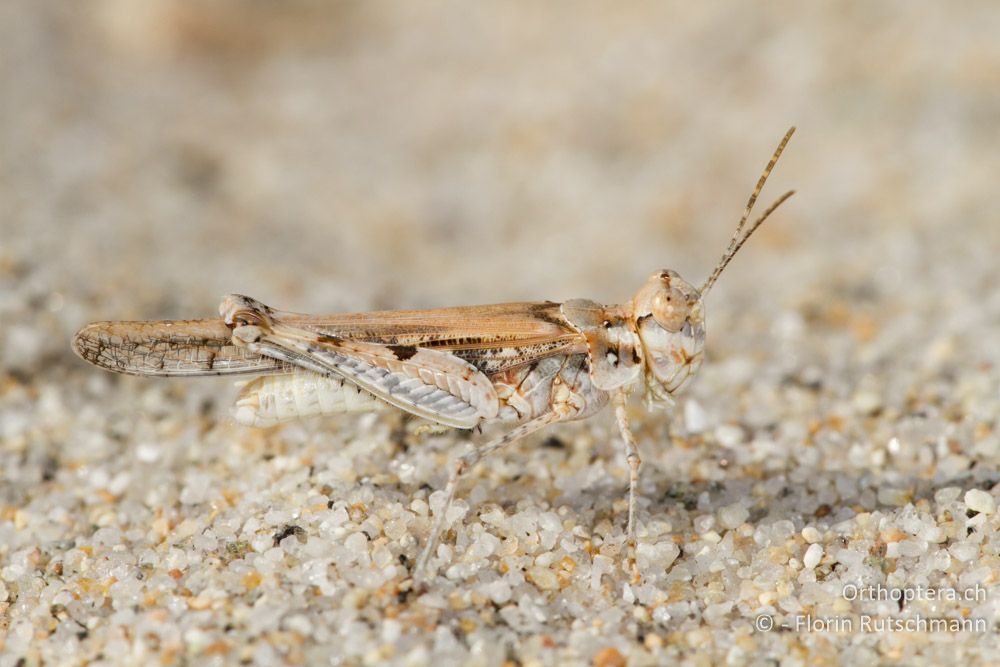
273	399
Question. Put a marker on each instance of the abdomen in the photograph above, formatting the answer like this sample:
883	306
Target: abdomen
273	399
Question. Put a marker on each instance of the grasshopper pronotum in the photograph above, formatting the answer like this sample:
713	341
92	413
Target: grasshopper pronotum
526	364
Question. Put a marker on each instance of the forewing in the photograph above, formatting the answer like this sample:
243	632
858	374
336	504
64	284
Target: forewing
169	348
493	338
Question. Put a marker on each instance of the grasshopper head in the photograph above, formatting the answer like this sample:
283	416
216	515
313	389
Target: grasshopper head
667	312
670	321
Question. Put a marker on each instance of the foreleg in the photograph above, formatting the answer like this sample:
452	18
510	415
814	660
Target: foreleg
634	461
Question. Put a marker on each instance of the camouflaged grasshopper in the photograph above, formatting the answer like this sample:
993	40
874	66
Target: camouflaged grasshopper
526	364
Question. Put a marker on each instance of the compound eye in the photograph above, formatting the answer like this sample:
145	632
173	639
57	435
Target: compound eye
670	309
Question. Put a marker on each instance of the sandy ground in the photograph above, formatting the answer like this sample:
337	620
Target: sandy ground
838	452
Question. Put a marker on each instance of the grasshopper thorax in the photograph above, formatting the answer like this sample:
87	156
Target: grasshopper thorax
670	320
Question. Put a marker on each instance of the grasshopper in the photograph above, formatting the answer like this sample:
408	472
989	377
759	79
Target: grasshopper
529	365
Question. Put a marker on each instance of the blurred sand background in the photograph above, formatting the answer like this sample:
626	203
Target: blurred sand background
324	157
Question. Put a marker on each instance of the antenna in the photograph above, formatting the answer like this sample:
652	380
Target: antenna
737	241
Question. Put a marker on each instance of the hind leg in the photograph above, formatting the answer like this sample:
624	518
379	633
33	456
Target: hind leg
459	467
